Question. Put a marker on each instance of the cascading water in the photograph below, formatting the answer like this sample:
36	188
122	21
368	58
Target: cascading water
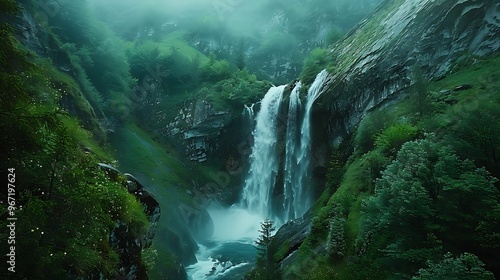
264	159
249	116
230	252
302	200
292	143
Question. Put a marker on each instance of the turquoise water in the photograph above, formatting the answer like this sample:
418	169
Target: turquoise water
223	260
230	252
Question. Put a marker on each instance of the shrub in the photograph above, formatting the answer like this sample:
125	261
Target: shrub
392	138
371	125
215	70
313	64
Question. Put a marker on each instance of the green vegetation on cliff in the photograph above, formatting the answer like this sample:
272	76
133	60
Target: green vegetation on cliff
66	206
419	195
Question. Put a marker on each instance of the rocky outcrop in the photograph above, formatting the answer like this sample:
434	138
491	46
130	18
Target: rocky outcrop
151	206
290	236
122	239
196	126
374	63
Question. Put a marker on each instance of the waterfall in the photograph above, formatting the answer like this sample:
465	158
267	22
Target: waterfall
292	143
303	197
249	115
264	159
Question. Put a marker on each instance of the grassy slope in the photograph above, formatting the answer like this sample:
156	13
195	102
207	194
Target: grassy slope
156	166
177	40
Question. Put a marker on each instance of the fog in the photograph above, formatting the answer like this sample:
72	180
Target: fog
237	17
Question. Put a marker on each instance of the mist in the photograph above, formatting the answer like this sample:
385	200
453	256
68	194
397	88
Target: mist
235	17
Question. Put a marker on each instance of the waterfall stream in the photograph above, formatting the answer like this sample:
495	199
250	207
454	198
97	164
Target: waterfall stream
303	199
230	253
265	158
291	144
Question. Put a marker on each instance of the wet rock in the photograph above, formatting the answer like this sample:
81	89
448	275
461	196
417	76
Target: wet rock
293	233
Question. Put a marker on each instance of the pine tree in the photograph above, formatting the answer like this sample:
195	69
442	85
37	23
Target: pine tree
265	262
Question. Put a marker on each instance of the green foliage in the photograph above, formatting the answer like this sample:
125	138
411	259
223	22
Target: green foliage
97	55
335	169
465	267
369	127
232	93
142	57
319	229
265	265
373	163
313	64
67	205
336	241
81	59
110	70
392	138
334	35
148	257
280	254
429	196
266	235
481	142
9	7
215	70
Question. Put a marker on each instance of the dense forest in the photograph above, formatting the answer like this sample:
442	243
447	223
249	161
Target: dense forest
151	140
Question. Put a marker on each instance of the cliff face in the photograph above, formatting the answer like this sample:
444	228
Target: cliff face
374	63
195	128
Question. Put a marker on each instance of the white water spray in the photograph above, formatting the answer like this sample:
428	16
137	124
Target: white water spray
302	198
292	145
264	159
249	115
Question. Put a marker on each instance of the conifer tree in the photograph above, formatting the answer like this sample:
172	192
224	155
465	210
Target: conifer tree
265	262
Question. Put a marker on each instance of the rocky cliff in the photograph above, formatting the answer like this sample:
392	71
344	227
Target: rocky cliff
373	64
195	127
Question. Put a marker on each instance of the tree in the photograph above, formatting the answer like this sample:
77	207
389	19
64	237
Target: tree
368	128
477	135
336	241
466	266
432	199
265	261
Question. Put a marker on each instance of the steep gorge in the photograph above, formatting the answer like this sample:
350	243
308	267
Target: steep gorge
281	170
